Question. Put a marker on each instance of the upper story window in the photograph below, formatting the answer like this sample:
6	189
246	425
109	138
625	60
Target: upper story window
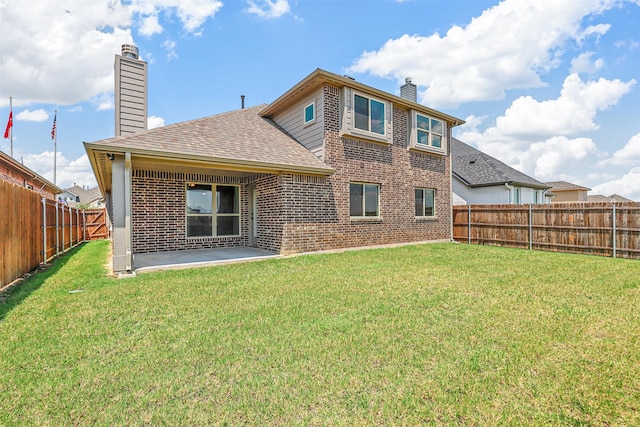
427	133
369	114
310	113
366	117
430	131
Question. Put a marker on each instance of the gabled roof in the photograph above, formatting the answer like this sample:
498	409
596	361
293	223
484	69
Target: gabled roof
558	186
611	198
477	169
236	140
318	77
85	195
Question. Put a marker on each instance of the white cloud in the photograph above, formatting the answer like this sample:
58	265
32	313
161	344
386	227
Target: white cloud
629	154
544	138
170	46
33	116
583	63
571	113
507	47
269	9
150	26
68	171
549	158
154	122
628	186
64	55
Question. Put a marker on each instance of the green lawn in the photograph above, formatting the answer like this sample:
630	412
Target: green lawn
442	334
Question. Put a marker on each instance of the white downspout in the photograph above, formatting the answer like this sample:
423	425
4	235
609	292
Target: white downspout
510	189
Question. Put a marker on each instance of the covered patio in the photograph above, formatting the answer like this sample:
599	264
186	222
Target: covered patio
158	261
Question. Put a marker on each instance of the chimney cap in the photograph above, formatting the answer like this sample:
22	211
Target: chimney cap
130	51
407	80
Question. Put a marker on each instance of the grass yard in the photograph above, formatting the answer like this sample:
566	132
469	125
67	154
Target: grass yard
442	334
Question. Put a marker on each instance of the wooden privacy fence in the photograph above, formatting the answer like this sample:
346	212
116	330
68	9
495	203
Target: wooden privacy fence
34	229
606	229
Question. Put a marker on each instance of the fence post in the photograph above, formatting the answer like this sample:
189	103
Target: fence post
62	210
613	237
84	226
44	230
530	229
469	224
70	228
78	226
57	230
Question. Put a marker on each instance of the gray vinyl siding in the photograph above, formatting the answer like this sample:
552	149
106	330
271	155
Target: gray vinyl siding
130	95
311	135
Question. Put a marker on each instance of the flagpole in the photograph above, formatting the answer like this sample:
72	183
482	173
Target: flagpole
11	130
55	143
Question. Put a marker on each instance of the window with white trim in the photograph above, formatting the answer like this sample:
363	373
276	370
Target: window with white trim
364	200
425	202
309	114
430	131
427	133
209	216
369	114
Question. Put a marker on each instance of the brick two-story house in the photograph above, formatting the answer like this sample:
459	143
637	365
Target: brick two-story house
332	163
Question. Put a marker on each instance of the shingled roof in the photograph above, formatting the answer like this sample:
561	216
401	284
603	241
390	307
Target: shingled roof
565	186
237	139
477	169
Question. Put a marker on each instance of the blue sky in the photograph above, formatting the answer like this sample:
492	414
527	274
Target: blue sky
549	87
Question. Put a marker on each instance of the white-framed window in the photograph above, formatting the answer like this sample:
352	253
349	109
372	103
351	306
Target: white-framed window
369	114
364	200
425	202
366	117
430	131
309	113
209	216
427	133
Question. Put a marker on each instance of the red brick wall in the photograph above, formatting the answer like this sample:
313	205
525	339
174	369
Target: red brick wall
159	213
8	173
317	212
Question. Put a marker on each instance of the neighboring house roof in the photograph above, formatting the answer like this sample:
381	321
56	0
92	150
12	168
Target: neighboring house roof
28	174
86	196
557	186
477	169
236	140
318	77
611	198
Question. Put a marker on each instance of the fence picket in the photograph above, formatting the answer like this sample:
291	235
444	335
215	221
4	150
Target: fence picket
591	228
30	228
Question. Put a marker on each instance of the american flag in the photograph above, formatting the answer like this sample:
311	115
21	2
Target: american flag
53	129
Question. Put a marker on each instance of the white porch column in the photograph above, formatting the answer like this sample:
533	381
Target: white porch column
121	221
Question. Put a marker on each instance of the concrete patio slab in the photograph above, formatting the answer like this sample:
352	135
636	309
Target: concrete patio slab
156	261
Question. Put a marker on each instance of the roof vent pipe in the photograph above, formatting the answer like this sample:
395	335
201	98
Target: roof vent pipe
242	100
130	51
